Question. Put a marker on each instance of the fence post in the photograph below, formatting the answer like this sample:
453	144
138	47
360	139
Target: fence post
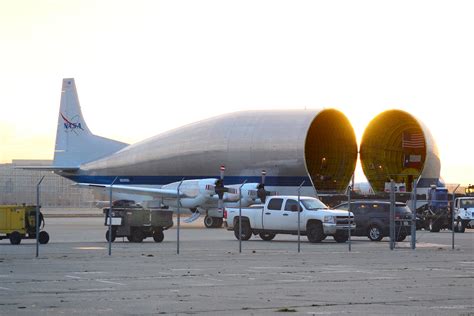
240	216
452	217
413	215
349	216
299	216
37	214
110	217
392	214
178	199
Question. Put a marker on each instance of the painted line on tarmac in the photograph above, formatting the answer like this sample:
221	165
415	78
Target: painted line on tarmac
5	288
72	277
109	282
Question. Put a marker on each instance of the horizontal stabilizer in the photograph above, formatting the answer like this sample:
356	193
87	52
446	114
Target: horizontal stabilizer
148	191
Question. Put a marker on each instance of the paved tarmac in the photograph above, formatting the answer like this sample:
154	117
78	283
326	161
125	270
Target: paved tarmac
75	276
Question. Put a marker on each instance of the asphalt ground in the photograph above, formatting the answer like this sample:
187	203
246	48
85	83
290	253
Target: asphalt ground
74	275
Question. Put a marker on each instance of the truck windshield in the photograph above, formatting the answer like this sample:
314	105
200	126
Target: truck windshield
467	203
313	204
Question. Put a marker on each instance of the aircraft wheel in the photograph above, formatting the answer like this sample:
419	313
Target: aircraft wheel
208	221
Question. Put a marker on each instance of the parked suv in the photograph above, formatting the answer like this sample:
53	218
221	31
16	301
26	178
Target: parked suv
372	219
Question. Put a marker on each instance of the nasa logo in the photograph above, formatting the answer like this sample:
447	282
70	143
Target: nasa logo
71	126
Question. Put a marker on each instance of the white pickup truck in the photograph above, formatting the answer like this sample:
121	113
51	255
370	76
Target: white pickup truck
463	213
279	215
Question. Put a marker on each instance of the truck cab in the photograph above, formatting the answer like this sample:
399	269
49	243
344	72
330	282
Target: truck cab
463	213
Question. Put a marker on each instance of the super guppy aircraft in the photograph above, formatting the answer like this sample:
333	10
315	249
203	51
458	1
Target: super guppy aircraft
317	147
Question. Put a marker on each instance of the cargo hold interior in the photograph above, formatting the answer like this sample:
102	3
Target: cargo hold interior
393	147
330	151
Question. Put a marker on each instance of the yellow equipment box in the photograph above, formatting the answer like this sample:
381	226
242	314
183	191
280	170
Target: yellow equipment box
18	222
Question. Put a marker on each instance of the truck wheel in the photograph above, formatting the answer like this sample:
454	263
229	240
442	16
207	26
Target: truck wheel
158	235
459	226
434	226
43	237
401	237
137	235
246	230
341	237
267	236
107	235
375	233
15	238
315	232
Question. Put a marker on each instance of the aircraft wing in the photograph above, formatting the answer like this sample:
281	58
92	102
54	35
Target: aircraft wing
148	191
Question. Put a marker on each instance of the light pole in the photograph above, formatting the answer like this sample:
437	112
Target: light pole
240	216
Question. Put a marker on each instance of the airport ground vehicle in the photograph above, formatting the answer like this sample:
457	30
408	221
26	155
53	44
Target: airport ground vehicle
435	214
279	215
463	213
137	223
18	222
372	219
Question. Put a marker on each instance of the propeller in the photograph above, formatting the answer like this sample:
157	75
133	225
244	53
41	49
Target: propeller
220	189
261	193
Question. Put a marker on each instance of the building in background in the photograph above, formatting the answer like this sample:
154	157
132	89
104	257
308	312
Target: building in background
18	186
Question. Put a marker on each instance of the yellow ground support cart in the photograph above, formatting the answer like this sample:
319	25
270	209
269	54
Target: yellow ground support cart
18	222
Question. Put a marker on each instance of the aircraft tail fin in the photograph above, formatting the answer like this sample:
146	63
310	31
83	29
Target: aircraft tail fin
75	144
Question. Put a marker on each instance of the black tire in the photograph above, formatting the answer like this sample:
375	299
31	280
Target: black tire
43	237
158	235
434	226
219	221
315	232
209	221
401	237
341	237
246	230
375	233
107	235
137	235
267	236
459	226
15	238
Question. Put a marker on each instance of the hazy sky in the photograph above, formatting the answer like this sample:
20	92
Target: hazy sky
143	67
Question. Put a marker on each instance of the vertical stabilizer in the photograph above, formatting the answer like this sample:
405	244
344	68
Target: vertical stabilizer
75	144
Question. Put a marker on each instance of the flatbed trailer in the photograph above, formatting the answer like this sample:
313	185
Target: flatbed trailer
137	223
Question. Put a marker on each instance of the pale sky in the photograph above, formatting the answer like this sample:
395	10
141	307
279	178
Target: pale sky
144	67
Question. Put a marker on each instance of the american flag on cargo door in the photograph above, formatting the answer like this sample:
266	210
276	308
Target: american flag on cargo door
413	139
